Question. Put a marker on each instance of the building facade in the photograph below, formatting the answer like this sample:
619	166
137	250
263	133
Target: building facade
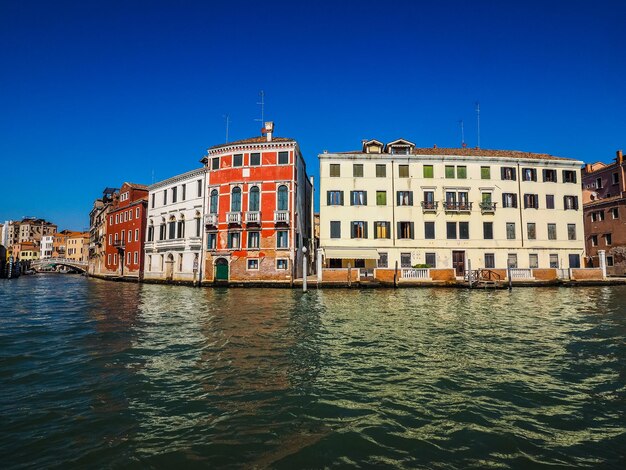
125	232
174	236
78	247
46	247
604	207
393	204
259	216
98	230
32	229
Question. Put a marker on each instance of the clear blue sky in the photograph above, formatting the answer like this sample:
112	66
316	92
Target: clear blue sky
93	94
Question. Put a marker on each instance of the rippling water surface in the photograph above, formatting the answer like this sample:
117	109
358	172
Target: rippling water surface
100	374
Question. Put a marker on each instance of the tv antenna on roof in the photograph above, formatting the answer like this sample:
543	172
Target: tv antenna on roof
478	122
462	133
227	119
262	104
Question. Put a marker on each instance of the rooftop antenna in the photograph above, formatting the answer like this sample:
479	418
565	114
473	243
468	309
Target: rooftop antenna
262	104
462	133
227	119
478	122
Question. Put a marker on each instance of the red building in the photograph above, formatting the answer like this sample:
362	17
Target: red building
126	226
258	210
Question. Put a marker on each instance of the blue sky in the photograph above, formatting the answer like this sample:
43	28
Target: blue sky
97	93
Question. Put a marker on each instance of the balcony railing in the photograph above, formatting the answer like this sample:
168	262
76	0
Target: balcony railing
281	217
233	217
253	217
487	207
457	206
119	243
430	206
521	273
415	273
211	219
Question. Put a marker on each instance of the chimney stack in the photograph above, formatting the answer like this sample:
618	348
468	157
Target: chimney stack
269	130
620	157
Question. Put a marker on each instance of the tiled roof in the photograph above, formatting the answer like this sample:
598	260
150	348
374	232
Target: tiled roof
474	152
606	200
137	186
253	140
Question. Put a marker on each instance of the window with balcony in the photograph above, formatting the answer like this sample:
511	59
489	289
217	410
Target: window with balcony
381	198
254	240
429	230
429	171
283	158
382	229
335	229
335	170
358	229
404	198
237	160
529	174
381	171
551	231
254	199
485	172
405	230
531	201
403	171
334	198
531	231
549	176
358	198
283	198
510	230
508	173
488	230
570	202
255	159
569	176
357	170
235	199
509	200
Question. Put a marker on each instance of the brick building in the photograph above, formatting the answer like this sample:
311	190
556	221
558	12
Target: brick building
604	209
98	230
258	210
125	232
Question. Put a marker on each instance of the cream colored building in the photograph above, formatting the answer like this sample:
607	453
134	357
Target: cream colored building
449	208
78	246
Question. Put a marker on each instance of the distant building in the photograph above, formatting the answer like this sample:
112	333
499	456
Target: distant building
259	204
604	207
32	229
78	246
98	230
47	242
125	232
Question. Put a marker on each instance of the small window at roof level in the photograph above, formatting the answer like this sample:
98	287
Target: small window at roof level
403	171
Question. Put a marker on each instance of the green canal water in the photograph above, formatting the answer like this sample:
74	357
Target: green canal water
97	374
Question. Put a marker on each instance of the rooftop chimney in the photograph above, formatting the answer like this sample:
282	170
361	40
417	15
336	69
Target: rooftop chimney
269	130
620	157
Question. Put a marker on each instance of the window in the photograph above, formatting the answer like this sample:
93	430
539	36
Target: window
529	174
152	200
334	198
358	198
615	178
509	200
488	230
428	171
283	198
253	240
357	170
549	201
381	171
128	255
117	218
181	229
510	230
594	240
213	202
381	198
554	260
255	159
531	231
123	237
136	235
164	199
108	259
574	261
490	260
150	233
614	213
405	230
137	213
211	241
571	231
403	171
282	264
282	239
136	256
283	158
508	173
335	229
174	194
511	261
238	159
598	183
449	171
570	202
609	261
162	231
551	231
405	260
253	264
485	172
531	201
110	239
358	229
464	230
431	260
234	240
549	176
461	172
533	260
608	239
383	260
382	229
215	163
569	176
335	170
198	225
253	199
405	198
199	185
235	199
451	230
429	230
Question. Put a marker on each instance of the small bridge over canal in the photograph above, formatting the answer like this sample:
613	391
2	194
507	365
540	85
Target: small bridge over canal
40	264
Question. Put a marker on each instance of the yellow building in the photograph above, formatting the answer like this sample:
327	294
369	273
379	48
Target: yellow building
77	246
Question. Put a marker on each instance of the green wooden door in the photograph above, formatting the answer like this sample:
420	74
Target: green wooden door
221	270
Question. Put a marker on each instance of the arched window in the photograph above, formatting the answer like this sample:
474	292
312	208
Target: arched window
235	199
151	232
198	224
283	199
162	230
172	228
253	204
213	203
181	227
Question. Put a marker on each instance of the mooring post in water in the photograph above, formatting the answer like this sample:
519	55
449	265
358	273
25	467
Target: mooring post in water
469	272
304	273
349	275
508	273
395	275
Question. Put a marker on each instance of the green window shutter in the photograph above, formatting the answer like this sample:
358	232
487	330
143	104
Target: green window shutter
485	172
461	172
428	171
449	171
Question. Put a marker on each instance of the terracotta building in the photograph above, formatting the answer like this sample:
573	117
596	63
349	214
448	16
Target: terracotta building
125	232
604	208
258	210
